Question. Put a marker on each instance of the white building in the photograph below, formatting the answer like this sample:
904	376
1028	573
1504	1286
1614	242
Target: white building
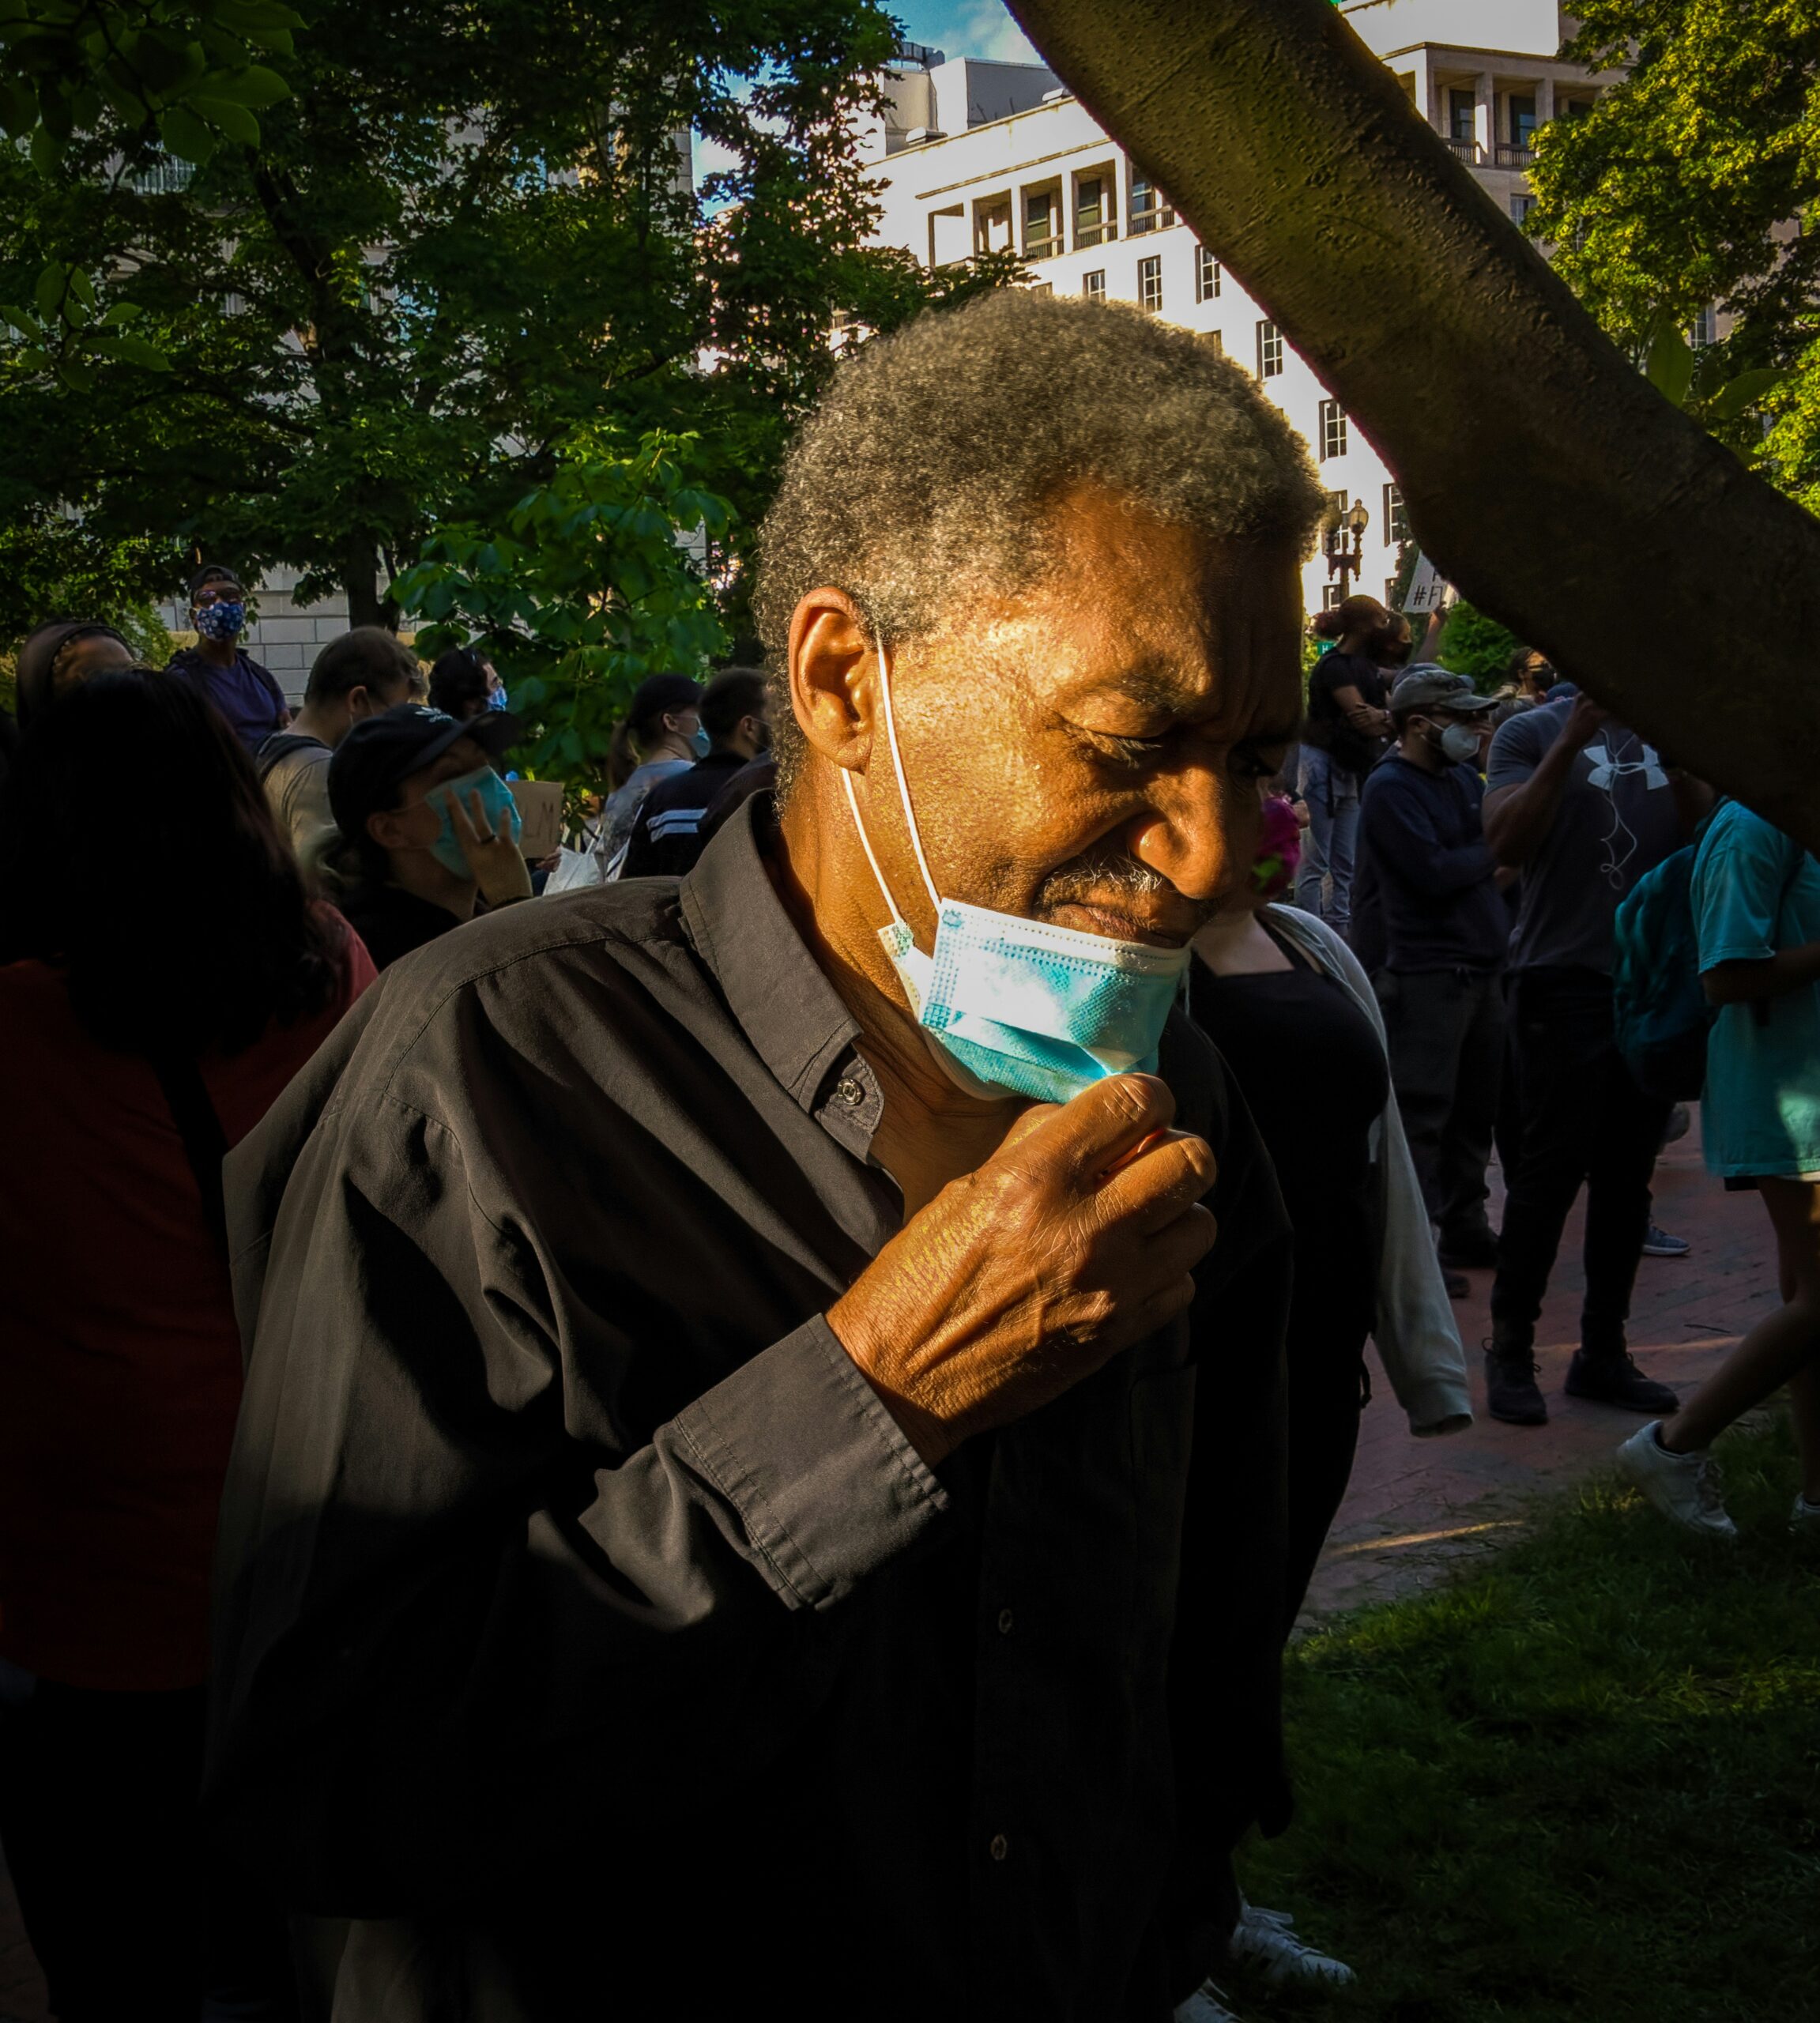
973	156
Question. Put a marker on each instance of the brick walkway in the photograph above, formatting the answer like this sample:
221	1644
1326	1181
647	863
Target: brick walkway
1417	1507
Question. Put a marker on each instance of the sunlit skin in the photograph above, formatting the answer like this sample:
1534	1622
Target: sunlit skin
1087	753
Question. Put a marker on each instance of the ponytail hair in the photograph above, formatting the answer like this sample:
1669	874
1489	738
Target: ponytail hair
661	696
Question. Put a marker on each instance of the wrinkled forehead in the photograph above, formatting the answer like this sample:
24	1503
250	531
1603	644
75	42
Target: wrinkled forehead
1186	623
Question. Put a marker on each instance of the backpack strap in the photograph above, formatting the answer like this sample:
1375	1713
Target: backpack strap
279	744
199	1126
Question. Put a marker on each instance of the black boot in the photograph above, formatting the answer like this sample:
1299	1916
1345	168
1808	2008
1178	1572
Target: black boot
1605	1373
1511	1390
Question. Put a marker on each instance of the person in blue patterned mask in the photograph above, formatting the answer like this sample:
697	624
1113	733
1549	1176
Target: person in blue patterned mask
246	693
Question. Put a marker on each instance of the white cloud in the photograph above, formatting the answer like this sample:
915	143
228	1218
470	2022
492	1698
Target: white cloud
970	28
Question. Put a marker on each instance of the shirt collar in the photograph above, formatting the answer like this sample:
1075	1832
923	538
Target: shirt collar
775	988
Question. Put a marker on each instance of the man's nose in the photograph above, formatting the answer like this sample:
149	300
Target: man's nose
1184	834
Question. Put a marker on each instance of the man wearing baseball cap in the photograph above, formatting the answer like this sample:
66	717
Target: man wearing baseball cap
1445	930
246	693
428	830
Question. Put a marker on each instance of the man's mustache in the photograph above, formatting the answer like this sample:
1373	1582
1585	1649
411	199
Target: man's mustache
1113	878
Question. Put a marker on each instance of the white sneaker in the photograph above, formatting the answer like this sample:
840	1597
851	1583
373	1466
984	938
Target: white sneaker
1267	1940
1805	1517
1682	1487
1206	2005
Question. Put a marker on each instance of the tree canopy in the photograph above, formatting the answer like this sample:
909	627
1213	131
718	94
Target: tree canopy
1686	188
466	234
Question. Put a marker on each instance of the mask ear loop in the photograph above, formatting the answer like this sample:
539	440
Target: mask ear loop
903	794
897	768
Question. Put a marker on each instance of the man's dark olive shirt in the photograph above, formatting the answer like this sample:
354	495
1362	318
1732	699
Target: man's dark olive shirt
589	1632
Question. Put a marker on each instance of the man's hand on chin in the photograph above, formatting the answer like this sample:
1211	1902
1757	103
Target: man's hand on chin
1077	1238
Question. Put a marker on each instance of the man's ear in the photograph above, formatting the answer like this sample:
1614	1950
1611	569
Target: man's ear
833	687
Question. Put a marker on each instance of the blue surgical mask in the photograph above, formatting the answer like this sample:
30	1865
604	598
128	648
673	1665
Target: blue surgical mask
224	620
496	804
1017	1006
496	698
700	743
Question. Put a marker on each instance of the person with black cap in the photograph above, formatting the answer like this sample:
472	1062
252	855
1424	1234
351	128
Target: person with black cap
1446	929
428	831
246	694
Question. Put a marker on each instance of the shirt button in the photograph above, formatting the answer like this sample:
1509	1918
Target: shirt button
847	1090
1004	1622
1000	1848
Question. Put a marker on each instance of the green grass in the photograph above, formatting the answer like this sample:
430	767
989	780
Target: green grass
1584	1781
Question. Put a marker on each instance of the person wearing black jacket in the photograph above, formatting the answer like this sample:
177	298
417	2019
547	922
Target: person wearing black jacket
1444	928
666	836
726	1490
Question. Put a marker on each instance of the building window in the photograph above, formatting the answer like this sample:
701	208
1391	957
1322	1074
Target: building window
1522	113
1206	276
1042	287
1332	430
1042	240
1215	341
1149	285
1704	329
1269	350
1333	596
1396	515
1149	211
1093	285
1462	117
1521	205
1094	222
992	225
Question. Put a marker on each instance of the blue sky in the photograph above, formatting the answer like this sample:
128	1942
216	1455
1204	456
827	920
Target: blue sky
965	28
958	28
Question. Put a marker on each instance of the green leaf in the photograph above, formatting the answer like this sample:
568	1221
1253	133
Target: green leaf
1738	395
233	120
132	351
1670	365
47	151
117	313
49	291
185	136
254	85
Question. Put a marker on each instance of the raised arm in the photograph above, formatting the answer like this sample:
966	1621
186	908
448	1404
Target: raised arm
1517	818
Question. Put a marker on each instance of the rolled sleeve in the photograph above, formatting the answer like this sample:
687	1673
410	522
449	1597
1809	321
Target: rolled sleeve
826	1485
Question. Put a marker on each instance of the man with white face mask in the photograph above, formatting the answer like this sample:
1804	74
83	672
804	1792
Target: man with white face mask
1446	928
746	1399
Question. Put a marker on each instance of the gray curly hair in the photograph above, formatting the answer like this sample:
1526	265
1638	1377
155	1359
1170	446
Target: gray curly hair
929	464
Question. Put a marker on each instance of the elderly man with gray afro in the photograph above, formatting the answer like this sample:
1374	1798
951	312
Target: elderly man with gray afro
763	1406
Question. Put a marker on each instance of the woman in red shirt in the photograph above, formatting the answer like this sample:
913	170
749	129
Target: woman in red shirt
163	974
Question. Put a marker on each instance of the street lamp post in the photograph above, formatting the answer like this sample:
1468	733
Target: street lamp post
1344	559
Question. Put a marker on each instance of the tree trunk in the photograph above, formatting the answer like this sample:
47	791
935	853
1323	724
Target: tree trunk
1542	472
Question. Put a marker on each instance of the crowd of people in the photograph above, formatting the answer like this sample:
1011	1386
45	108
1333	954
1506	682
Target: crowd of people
836	1305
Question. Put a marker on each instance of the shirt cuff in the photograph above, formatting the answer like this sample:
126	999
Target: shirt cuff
824	1481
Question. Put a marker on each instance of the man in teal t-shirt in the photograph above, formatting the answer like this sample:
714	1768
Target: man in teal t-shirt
1756	901
1756	891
